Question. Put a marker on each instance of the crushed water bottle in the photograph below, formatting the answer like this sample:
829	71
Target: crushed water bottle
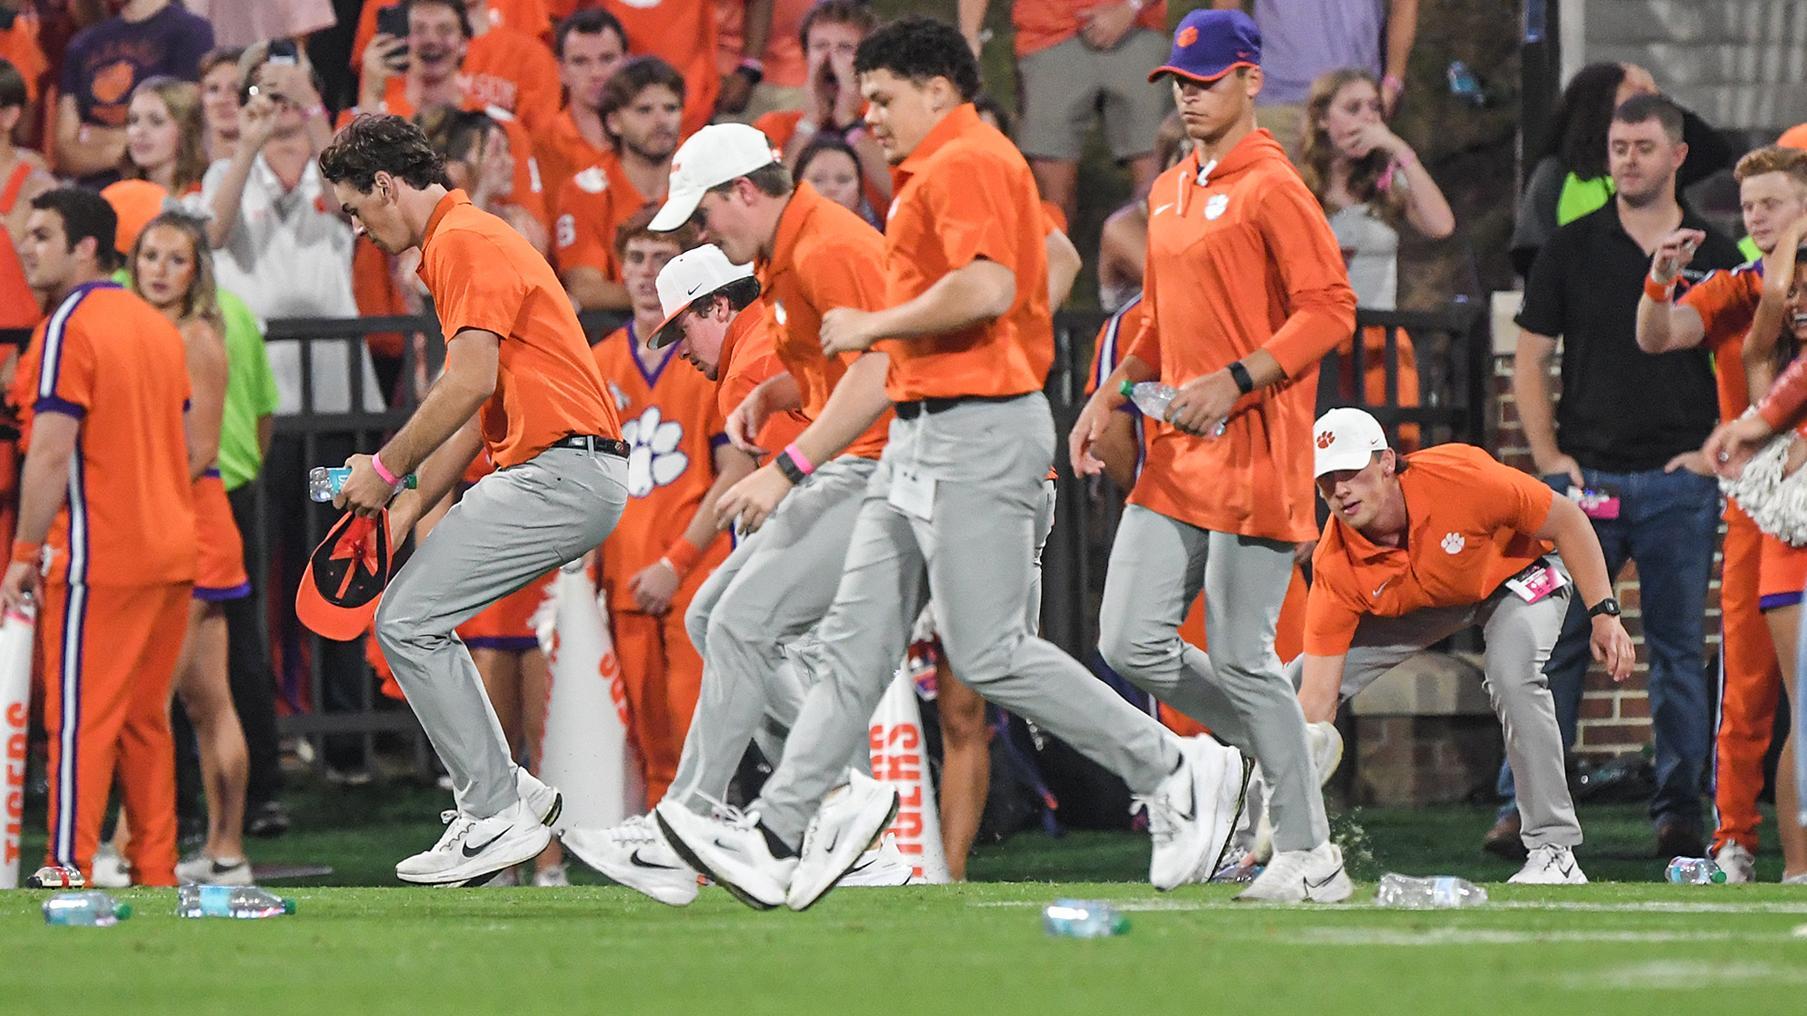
1441	892
246	901
1694	871
1083	919
1153	398
90	909
323	482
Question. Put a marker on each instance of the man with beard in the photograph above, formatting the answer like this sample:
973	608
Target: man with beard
642	110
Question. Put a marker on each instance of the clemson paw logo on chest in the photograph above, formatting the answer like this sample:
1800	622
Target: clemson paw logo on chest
1453	543
653	459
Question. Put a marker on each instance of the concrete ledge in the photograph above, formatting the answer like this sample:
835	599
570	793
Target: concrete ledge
1428	684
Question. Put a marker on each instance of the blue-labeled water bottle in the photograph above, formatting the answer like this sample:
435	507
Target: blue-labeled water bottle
86	909
1154	398
1694	871
323	482
242	901
1083	919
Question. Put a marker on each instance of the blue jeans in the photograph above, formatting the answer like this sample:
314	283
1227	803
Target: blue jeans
1667	523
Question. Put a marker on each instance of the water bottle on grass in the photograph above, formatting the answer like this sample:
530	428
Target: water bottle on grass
88	909
245	901
1083	919
1441	892
1694	871
1154	398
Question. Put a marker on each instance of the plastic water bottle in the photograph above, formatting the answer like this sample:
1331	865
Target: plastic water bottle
1695	871
1441	892
246	901
88	909
1083	919
1465	86
1153	398
323	482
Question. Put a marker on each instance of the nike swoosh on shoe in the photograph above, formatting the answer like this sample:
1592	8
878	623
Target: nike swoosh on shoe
634	858
468	852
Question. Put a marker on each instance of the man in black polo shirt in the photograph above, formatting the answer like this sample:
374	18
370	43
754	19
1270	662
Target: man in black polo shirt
1623	439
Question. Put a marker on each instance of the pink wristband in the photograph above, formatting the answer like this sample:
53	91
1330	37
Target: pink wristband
376	463
798	458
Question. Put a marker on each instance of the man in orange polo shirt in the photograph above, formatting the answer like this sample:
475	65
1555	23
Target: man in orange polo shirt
520	383
641	109
106	534
1245	291
1760	576
1421	546
951	508
681	33
590	46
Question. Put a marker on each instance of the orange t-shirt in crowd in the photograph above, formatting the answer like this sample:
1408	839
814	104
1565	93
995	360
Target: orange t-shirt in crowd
592	206
530	16
823	257
561	152
483	274
1471	525
747	359
672	426
112	361
682	33
512	71
19	47
1242	262
1043	23
779	126
964	194
785	66
527	194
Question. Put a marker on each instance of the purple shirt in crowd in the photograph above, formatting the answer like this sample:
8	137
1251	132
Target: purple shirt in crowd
105	62
1302	39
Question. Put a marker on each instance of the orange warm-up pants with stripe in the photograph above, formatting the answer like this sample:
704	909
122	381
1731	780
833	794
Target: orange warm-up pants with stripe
663	675
1749	688
108	655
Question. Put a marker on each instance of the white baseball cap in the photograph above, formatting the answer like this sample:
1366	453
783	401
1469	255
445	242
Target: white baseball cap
690	276
713	156
1345	439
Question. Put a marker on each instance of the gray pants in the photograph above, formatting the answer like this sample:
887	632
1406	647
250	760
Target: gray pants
1158	565
1519	638
774	587
515	525
974	554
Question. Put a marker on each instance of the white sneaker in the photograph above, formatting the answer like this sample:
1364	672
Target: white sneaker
111	871
1193	813
843	828
1326	746
1550	865
636	855
878	868
551	878
1737	863
1301	876
730	847
472	850
542	800
204	870
1799	878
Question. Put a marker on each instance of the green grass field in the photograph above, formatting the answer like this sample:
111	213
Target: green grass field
1627	946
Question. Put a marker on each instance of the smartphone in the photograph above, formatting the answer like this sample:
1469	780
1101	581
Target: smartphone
284	53
393	21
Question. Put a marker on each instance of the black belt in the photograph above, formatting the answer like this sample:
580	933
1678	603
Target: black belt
911	410
591	443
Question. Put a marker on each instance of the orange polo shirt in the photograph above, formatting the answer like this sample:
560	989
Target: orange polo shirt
746	360
682	33
964	194
562	152
1471	525
1043	23
112	361
592	206
513	71
823	257
1243	262
483	274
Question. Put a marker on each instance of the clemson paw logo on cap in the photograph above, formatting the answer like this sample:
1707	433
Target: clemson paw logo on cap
1187	36
1326	438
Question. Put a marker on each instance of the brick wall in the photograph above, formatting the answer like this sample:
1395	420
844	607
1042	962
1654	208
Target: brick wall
1615	719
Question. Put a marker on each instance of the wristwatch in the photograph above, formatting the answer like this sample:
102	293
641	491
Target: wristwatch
1608	606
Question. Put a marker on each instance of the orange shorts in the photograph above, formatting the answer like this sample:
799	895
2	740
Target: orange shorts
220	570
1781	573
508	622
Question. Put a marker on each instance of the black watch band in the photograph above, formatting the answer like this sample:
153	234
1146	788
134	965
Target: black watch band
1608	606
1240	374
789	468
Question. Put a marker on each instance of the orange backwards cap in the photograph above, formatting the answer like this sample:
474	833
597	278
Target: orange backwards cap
345	577
136	202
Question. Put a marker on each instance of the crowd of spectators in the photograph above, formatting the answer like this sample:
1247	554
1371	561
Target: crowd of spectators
563	116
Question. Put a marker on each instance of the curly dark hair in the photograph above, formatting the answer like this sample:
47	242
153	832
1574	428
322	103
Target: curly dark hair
381	143
1578	132
921	48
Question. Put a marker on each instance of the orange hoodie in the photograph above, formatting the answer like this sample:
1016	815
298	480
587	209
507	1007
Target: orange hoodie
1240	258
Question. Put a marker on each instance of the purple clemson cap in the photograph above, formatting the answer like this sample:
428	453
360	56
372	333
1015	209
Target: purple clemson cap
1209	44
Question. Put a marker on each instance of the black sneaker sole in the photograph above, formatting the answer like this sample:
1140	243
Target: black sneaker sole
558	808
678	847
1242	800
891	815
